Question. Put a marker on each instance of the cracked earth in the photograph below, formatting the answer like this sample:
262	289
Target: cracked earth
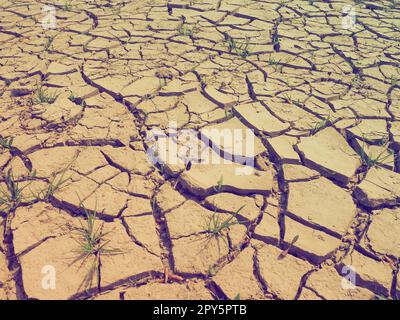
79	101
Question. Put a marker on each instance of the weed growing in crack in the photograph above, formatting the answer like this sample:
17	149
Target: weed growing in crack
276	64
358	83
217	225
394	81
6	143
380	159
228	113
321	125
203	82
163	82
242	49
75	99
12	195
296	102
276	42
92	245
56	184
48	43
68	5
186	30
72	97
231	43
220	184
43	96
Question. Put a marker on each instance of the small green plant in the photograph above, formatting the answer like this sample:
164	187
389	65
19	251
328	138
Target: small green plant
6	143
276	43
394	81
228	113
56	184
220	184
43	96
48	44
358	83
321	125
185	30
370	159
92	245
68	5
297	102
231	43
204	82
242	49
72	97
216	224
276	64
12	195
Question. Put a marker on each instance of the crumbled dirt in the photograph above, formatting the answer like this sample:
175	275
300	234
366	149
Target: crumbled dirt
92	206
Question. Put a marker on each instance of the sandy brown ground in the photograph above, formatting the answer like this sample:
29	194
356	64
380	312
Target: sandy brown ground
323	102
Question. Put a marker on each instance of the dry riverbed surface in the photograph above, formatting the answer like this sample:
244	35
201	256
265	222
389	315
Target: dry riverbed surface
95	97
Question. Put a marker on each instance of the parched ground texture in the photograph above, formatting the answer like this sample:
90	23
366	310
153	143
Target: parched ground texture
79	100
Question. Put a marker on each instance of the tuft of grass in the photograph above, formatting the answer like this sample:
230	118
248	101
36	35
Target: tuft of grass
43	96
56	184
276	42
321	125
276	64
358	83
242	49
394	81
11	196
216	225
6	143
296	102
48	44
370	159
72	97
92	245
232	45
185	30
68	5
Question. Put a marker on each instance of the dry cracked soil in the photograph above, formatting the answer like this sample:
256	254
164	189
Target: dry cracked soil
95	96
